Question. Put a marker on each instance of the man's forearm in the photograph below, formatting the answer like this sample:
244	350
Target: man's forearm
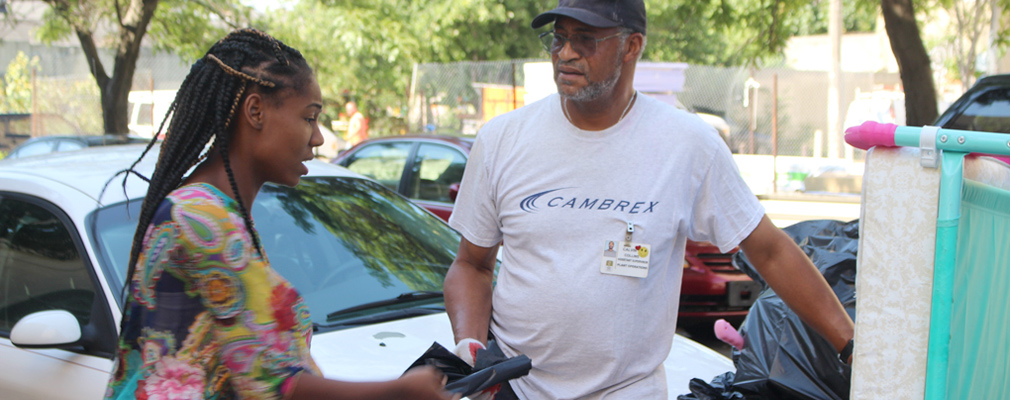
468	300
798	282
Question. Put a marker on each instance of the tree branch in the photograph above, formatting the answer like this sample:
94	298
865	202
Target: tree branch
91	54
119	12
234	22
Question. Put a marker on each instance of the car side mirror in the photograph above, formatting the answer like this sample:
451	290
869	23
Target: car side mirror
453	191
46	329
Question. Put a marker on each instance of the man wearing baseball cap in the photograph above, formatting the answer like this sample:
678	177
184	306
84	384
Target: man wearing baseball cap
557	180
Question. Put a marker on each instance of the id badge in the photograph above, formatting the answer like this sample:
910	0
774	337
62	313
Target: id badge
625	259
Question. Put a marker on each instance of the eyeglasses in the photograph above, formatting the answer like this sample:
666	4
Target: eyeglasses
585	45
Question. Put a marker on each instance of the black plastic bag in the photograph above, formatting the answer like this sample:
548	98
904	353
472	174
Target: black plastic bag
782	357
721	388
491	367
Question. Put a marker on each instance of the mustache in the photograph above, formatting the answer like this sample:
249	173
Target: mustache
569	64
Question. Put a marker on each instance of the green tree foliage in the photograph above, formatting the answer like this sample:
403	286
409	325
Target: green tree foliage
365	49
188	28
16	88
969	33
857	16
740	32
73	99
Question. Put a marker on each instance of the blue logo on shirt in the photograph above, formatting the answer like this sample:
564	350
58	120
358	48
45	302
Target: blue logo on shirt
529	204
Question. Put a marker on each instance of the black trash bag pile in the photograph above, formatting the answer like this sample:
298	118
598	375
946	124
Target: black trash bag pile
783	358
491	367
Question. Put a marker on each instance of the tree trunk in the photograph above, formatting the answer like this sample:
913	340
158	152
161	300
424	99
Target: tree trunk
115	89
913	62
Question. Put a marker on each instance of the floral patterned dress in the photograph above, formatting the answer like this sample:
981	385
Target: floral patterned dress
206	316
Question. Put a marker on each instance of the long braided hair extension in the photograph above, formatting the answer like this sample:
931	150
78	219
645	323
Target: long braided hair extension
203	109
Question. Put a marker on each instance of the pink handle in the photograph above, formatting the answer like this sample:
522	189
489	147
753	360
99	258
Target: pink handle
725	332
870	134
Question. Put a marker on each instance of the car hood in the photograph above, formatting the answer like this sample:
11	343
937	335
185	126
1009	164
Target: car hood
384	351
379	351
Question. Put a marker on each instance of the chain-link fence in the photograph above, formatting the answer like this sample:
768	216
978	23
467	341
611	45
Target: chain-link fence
759	111
457	98
764	111
61	92
787	105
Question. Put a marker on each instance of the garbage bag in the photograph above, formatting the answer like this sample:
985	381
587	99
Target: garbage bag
491	367
783	358
721	388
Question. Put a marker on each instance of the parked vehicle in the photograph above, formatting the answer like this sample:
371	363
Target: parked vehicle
350	246
147	108
985	107
54	144
425	168
428	168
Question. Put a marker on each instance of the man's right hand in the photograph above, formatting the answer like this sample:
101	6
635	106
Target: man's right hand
466	349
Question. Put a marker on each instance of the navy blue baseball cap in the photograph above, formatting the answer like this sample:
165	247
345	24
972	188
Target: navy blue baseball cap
599	13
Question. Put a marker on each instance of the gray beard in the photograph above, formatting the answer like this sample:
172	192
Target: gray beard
597	89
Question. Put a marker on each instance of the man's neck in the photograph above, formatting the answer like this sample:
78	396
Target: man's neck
598	114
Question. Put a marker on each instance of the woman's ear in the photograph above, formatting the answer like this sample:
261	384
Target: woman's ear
252	110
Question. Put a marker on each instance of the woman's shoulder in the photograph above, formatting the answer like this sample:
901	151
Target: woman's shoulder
199	207
198	194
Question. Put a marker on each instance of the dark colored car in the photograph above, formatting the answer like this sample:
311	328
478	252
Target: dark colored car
985	107
428	168
425	168
54	144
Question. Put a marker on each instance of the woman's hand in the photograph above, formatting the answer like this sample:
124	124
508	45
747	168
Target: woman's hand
423	383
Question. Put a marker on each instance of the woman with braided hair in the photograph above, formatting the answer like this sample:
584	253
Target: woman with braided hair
205	315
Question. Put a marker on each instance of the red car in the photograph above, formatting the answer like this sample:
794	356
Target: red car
428	168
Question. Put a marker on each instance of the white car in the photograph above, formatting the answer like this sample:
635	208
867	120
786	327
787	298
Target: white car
349	245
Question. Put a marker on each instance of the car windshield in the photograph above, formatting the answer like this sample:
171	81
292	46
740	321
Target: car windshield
988	112
342	242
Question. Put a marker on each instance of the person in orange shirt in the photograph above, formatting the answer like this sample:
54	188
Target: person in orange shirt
357	125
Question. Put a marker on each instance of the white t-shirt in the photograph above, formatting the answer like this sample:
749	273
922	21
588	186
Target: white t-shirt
558	196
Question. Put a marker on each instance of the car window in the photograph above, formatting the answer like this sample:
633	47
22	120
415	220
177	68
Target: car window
34	149
382	161
69	145
435	168
341	242
988	112
40	267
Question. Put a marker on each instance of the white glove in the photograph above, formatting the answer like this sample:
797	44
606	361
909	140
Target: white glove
467	350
